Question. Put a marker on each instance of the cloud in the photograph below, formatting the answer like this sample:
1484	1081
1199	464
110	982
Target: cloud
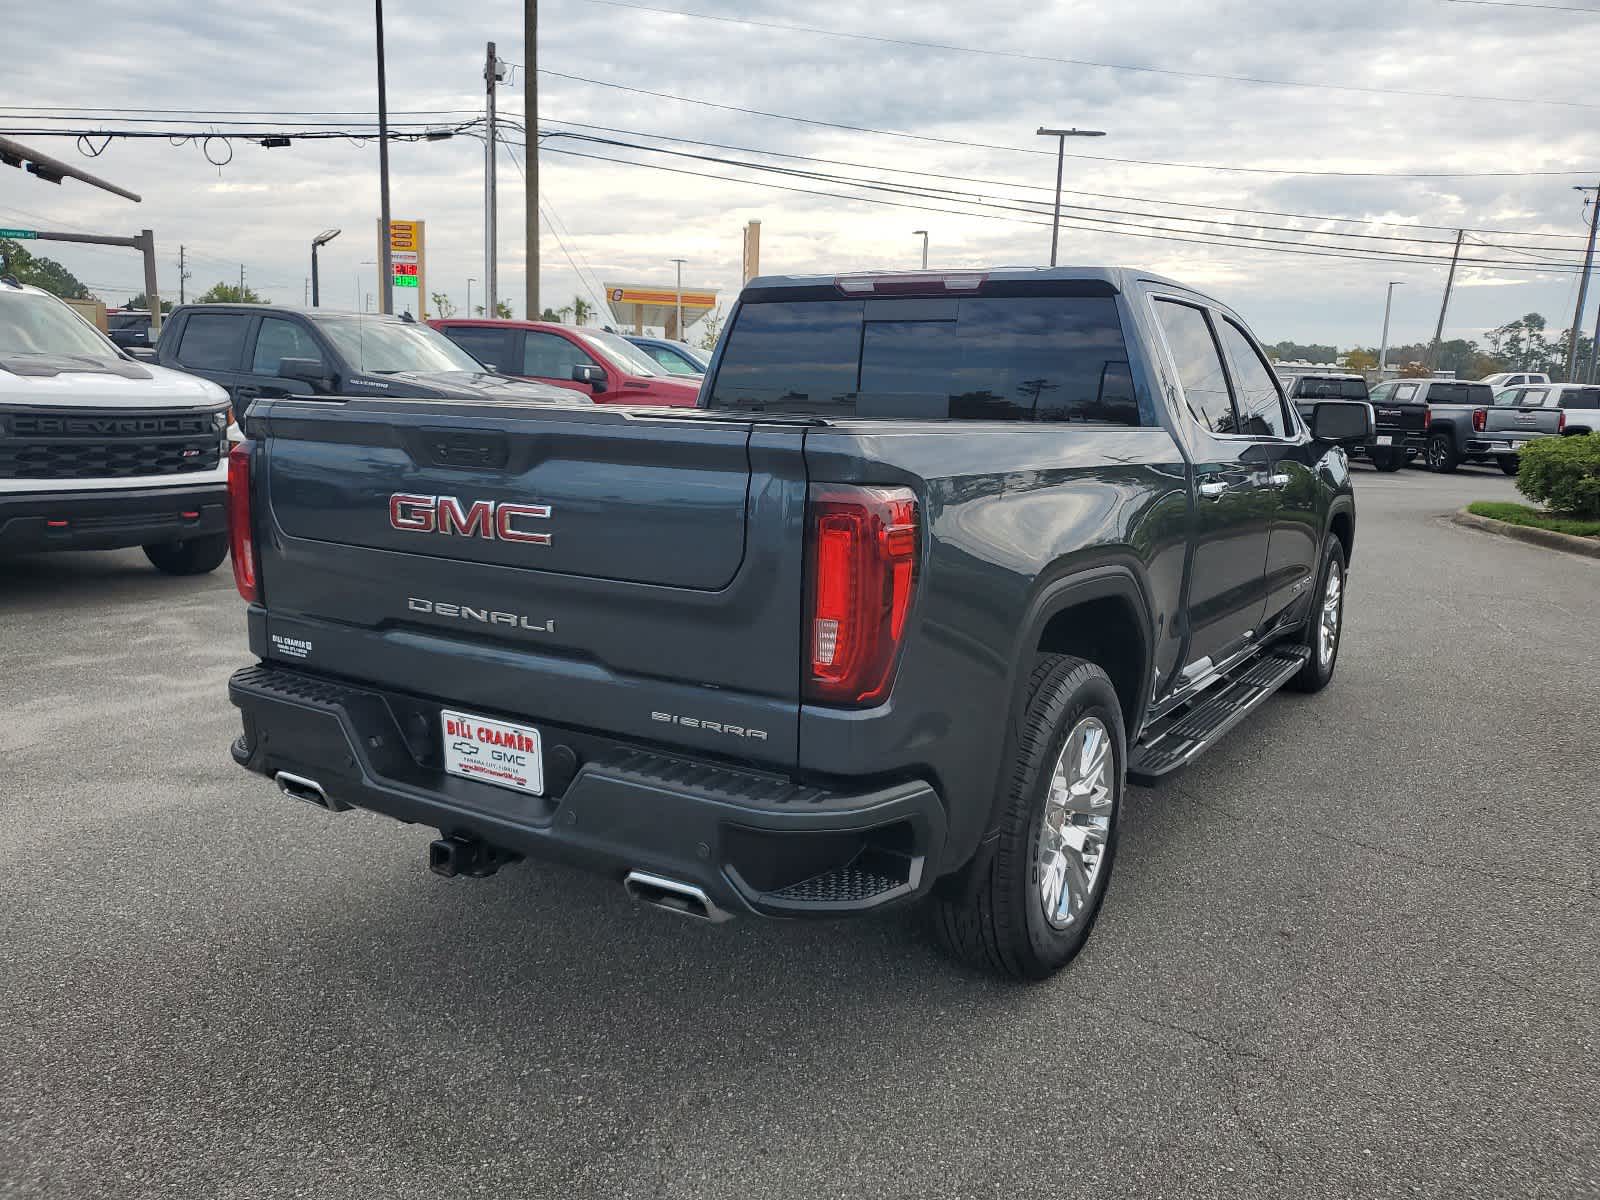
616	221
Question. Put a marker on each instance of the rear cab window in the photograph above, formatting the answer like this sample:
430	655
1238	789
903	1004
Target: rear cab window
989	357
1446	392
1581	398
213	341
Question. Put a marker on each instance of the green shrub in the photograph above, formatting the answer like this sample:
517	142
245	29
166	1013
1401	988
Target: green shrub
1563	474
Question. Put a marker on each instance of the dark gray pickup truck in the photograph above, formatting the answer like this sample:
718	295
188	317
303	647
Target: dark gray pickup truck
939	564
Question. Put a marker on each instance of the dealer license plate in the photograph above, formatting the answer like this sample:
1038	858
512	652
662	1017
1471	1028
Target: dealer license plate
493	751
1384	439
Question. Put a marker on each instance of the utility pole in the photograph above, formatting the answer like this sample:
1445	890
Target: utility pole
1583	285
1594	350
470	282
385	263
1061	136
530	120
1383	345
183	274
1449	284
678	329
924	234
307	289
492	71
241	283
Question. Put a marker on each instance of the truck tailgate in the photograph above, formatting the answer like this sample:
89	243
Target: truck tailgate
634	574
1400	419
1523	423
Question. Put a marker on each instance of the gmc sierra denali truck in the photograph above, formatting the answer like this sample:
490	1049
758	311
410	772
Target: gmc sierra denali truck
938	565
99	452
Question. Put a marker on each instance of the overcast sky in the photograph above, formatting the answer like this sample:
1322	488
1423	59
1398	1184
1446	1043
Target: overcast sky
626	223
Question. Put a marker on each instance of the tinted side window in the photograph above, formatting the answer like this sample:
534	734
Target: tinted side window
551	356
213	341
1382	392
804	354
1533	396
277	340
1260	407
485	345
1405	393
1587	398
1194	352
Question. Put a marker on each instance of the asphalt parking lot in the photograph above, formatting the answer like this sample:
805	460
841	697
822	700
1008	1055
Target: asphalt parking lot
1355	951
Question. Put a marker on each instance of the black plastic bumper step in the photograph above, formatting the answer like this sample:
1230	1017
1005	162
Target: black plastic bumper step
1179	740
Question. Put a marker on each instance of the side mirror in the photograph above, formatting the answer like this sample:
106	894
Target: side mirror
593	375
1342	422
142	353
306	370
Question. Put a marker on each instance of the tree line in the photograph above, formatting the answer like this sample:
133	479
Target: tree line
1525	344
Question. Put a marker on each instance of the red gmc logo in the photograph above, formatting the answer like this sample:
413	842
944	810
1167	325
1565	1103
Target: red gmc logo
480	518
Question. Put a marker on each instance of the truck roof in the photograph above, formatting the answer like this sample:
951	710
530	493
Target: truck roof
1118	278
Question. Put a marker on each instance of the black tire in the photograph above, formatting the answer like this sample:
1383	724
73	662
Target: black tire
1508	463
193	556
1000	923
1314	676
1388	460
1442	456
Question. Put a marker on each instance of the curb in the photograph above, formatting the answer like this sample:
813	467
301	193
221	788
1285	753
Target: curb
1588	547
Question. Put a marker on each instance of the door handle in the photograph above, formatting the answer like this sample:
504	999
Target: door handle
1212	490
247	392
1279	481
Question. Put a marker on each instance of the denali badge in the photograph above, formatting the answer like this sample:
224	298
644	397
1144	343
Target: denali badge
484	616
480	518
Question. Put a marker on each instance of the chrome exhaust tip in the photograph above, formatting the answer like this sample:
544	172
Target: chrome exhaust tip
298	787
682	898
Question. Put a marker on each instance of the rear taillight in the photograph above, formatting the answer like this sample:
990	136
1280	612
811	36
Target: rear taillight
862	571
1427	416
1480	419
241	537
1561	422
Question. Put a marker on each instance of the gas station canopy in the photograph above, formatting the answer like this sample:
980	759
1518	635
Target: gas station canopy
635	306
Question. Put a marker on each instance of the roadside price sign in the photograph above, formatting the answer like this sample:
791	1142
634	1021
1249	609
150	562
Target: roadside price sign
403	235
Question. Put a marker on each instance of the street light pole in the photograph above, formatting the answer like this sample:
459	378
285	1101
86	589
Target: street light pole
680	263
1061	136
322	239
385	264
924	234
1383	345
470	282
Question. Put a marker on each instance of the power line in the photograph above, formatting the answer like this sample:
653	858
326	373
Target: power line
1094	224
1262	212
1593	12
955	193
1138	162
1086	62
548	213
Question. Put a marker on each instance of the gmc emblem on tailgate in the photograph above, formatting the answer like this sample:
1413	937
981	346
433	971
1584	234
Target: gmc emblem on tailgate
480	518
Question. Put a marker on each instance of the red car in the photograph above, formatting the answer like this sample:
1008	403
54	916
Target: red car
603	366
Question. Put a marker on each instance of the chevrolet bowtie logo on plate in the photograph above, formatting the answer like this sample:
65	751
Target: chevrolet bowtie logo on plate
485	519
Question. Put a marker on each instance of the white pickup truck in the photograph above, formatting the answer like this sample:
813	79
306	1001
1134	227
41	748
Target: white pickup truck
99	451
1579	403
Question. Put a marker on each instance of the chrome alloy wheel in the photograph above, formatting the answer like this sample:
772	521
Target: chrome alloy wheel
1077	823
1328	624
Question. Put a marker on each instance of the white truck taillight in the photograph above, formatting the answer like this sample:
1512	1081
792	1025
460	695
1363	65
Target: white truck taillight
861	571
241	538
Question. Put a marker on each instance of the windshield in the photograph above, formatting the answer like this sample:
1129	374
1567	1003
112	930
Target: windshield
379	347
1000	358
1309	388
622	352
31	323
672	361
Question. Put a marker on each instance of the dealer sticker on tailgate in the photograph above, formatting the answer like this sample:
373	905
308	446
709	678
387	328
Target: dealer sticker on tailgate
493	752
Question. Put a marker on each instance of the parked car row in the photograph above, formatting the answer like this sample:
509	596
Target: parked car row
1444	423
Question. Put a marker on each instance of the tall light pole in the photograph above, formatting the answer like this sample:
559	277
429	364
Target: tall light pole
386	266
1061	136
924	234
1383	345
470	282
530	124
322	239
680	263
